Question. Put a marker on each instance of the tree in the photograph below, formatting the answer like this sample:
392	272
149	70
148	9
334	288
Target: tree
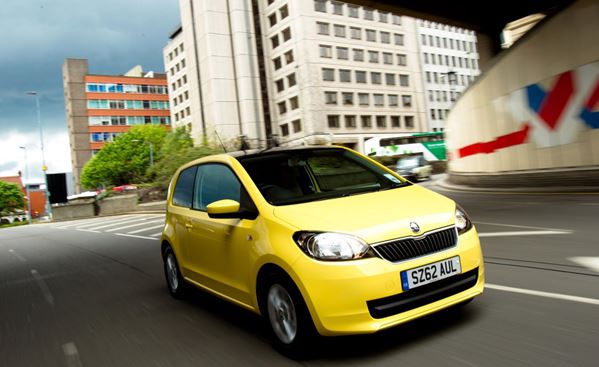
125	160
11	197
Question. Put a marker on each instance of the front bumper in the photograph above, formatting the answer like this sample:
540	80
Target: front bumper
364	296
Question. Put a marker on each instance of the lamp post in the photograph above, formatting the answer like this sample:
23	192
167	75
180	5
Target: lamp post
151	151
27	187
44	167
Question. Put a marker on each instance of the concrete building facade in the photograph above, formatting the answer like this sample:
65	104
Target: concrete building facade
100	107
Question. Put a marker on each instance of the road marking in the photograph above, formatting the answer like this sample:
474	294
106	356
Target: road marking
21	258
87	230
521	226
72	355
156	234
147	228
90	222
43	286
134	225
118	223
531	292
521	233
588	262
136	236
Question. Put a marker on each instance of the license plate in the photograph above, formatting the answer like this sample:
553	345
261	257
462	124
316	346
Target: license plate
430	273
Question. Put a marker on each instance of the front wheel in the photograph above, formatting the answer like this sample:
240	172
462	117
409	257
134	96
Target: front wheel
174	281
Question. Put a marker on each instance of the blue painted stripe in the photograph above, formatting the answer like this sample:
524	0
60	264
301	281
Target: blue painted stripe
590	118
535	95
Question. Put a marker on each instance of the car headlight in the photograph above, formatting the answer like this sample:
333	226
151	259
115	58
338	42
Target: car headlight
462	222
332	246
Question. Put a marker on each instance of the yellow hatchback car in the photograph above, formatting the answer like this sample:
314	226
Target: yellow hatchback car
317	239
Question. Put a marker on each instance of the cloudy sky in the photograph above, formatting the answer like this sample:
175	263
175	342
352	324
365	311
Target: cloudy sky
37	35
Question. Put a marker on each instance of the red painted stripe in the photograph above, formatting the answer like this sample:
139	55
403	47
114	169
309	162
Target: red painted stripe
503	141
592	101
555	102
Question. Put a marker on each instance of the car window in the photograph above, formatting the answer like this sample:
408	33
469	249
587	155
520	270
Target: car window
184	188
215	182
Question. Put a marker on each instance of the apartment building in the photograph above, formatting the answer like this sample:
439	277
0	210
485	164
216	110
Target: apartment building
175	64
100	107
303	72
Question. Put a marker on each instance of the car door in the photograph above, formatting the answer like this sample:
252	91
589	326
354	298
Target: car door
220	249
178	215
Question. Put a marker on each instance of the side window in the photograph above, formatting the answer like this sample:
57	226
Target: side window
184	188
215	182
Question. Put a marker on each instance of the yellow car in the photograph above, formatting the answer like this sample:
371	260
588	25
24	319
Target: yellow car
317	239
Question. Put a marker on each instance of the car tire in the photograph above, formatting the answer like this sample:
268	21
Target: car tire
291	327
177	286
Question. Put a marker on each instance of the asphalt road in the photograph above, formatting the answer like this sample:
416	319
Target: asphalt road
91	293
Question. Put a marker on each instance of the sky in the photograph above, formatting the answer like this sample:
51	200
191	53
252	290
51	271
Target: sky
37	36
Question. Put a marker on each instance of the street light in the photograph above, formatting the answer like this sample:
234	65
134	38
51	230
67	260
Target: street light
27	187
151	151
44	167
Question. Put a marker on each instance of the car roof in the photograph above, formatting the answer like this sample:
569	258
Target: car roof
254	152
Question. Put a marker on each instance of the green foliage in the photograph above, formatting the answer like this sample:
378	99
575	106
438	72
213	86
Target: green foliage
11	198
125	160
165	169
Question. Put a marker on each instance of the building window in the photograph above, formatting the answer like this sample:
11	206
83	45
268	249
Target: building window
350	122
363	99
320	5
371	35
368	14
360	76
404	80
402	60
393	100
373	56
291	80
409	121
282	107
395	121
285	129
423	39
353	11
342	53
284	11
378	99
366	122
396	19
289	57
274	41
433	114
328	75
388	58
381	122
383	17
293	103
344	76
406	100
390	79
337	8
375	78
277	63
330	97
280	85
358	54
385	37
347	98
355	33
297	126
326	51
323	28
272	19
398	39
333	121
339	30
286	34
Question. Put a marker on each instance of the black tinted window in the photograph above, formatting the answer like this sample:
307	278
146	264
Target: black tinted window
184	189
215	182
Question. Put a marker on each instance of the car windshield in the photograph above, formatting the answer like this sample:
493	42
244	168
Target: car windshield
408	163
299	176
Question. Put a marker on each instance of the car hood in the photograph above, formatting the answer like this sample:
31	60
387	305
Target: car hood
375	216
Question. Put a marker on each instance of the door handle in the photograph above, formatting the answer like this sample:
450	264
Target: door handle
188	226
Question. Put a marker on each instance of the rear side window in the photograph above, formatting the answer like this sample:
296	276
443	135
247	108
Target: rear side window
215	182
184	189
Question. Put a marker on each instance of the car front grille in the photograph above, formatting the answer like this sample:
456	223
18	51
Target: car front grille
412	247
418	297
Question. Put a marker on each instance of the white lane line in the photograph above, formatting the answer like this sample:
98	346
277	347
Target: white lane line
21	258
91	222
87	230
118	223
71	355
147	229
135	225
156	234
588	262
532	292
520	226
521	233
43	286
136	236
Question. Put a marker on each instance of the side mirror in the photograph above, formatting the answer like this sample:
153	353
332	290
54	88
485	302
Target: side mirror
227	208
